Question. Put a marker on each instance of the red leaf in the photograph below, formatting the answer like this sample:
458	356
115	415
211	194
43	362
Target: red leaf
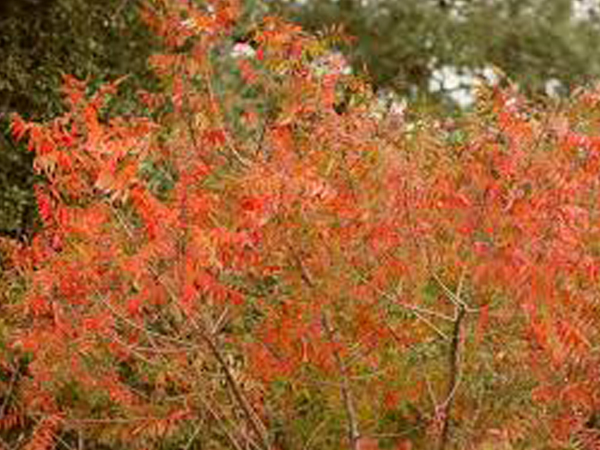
19	127
134	306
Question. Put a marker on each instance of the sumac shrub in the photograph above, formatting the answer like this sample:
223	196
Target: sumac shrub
263	269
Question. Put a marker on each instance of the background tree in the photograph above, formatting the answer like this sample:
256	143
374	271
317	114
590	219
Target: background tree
406	44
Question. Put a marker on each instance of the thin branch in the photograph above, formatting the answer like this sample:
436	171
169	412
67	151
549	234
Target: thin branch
193	438
117	420
8	394
413	308
453	378
455	298
220	421
420	310
351	417
304	272
314	435
220	321
251	416
224	422
416	310
147	332
431	394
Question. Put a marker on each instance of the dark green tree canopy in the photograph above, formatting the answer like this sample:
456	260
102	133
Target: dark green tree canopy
42	39
405	43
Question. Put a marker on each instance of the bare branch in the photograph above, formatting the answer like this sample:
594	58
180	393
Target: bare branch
453	378
353	430
251	416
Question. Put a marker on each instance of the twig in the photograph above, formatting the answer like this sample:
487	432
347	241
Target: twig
220	320
414	308
417	311
455	298
219	420
304	272
313	435
148	333
193	438
431	394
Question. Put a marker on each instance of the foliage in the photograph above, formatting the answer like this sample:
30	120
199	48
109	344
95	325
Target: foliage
289	274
